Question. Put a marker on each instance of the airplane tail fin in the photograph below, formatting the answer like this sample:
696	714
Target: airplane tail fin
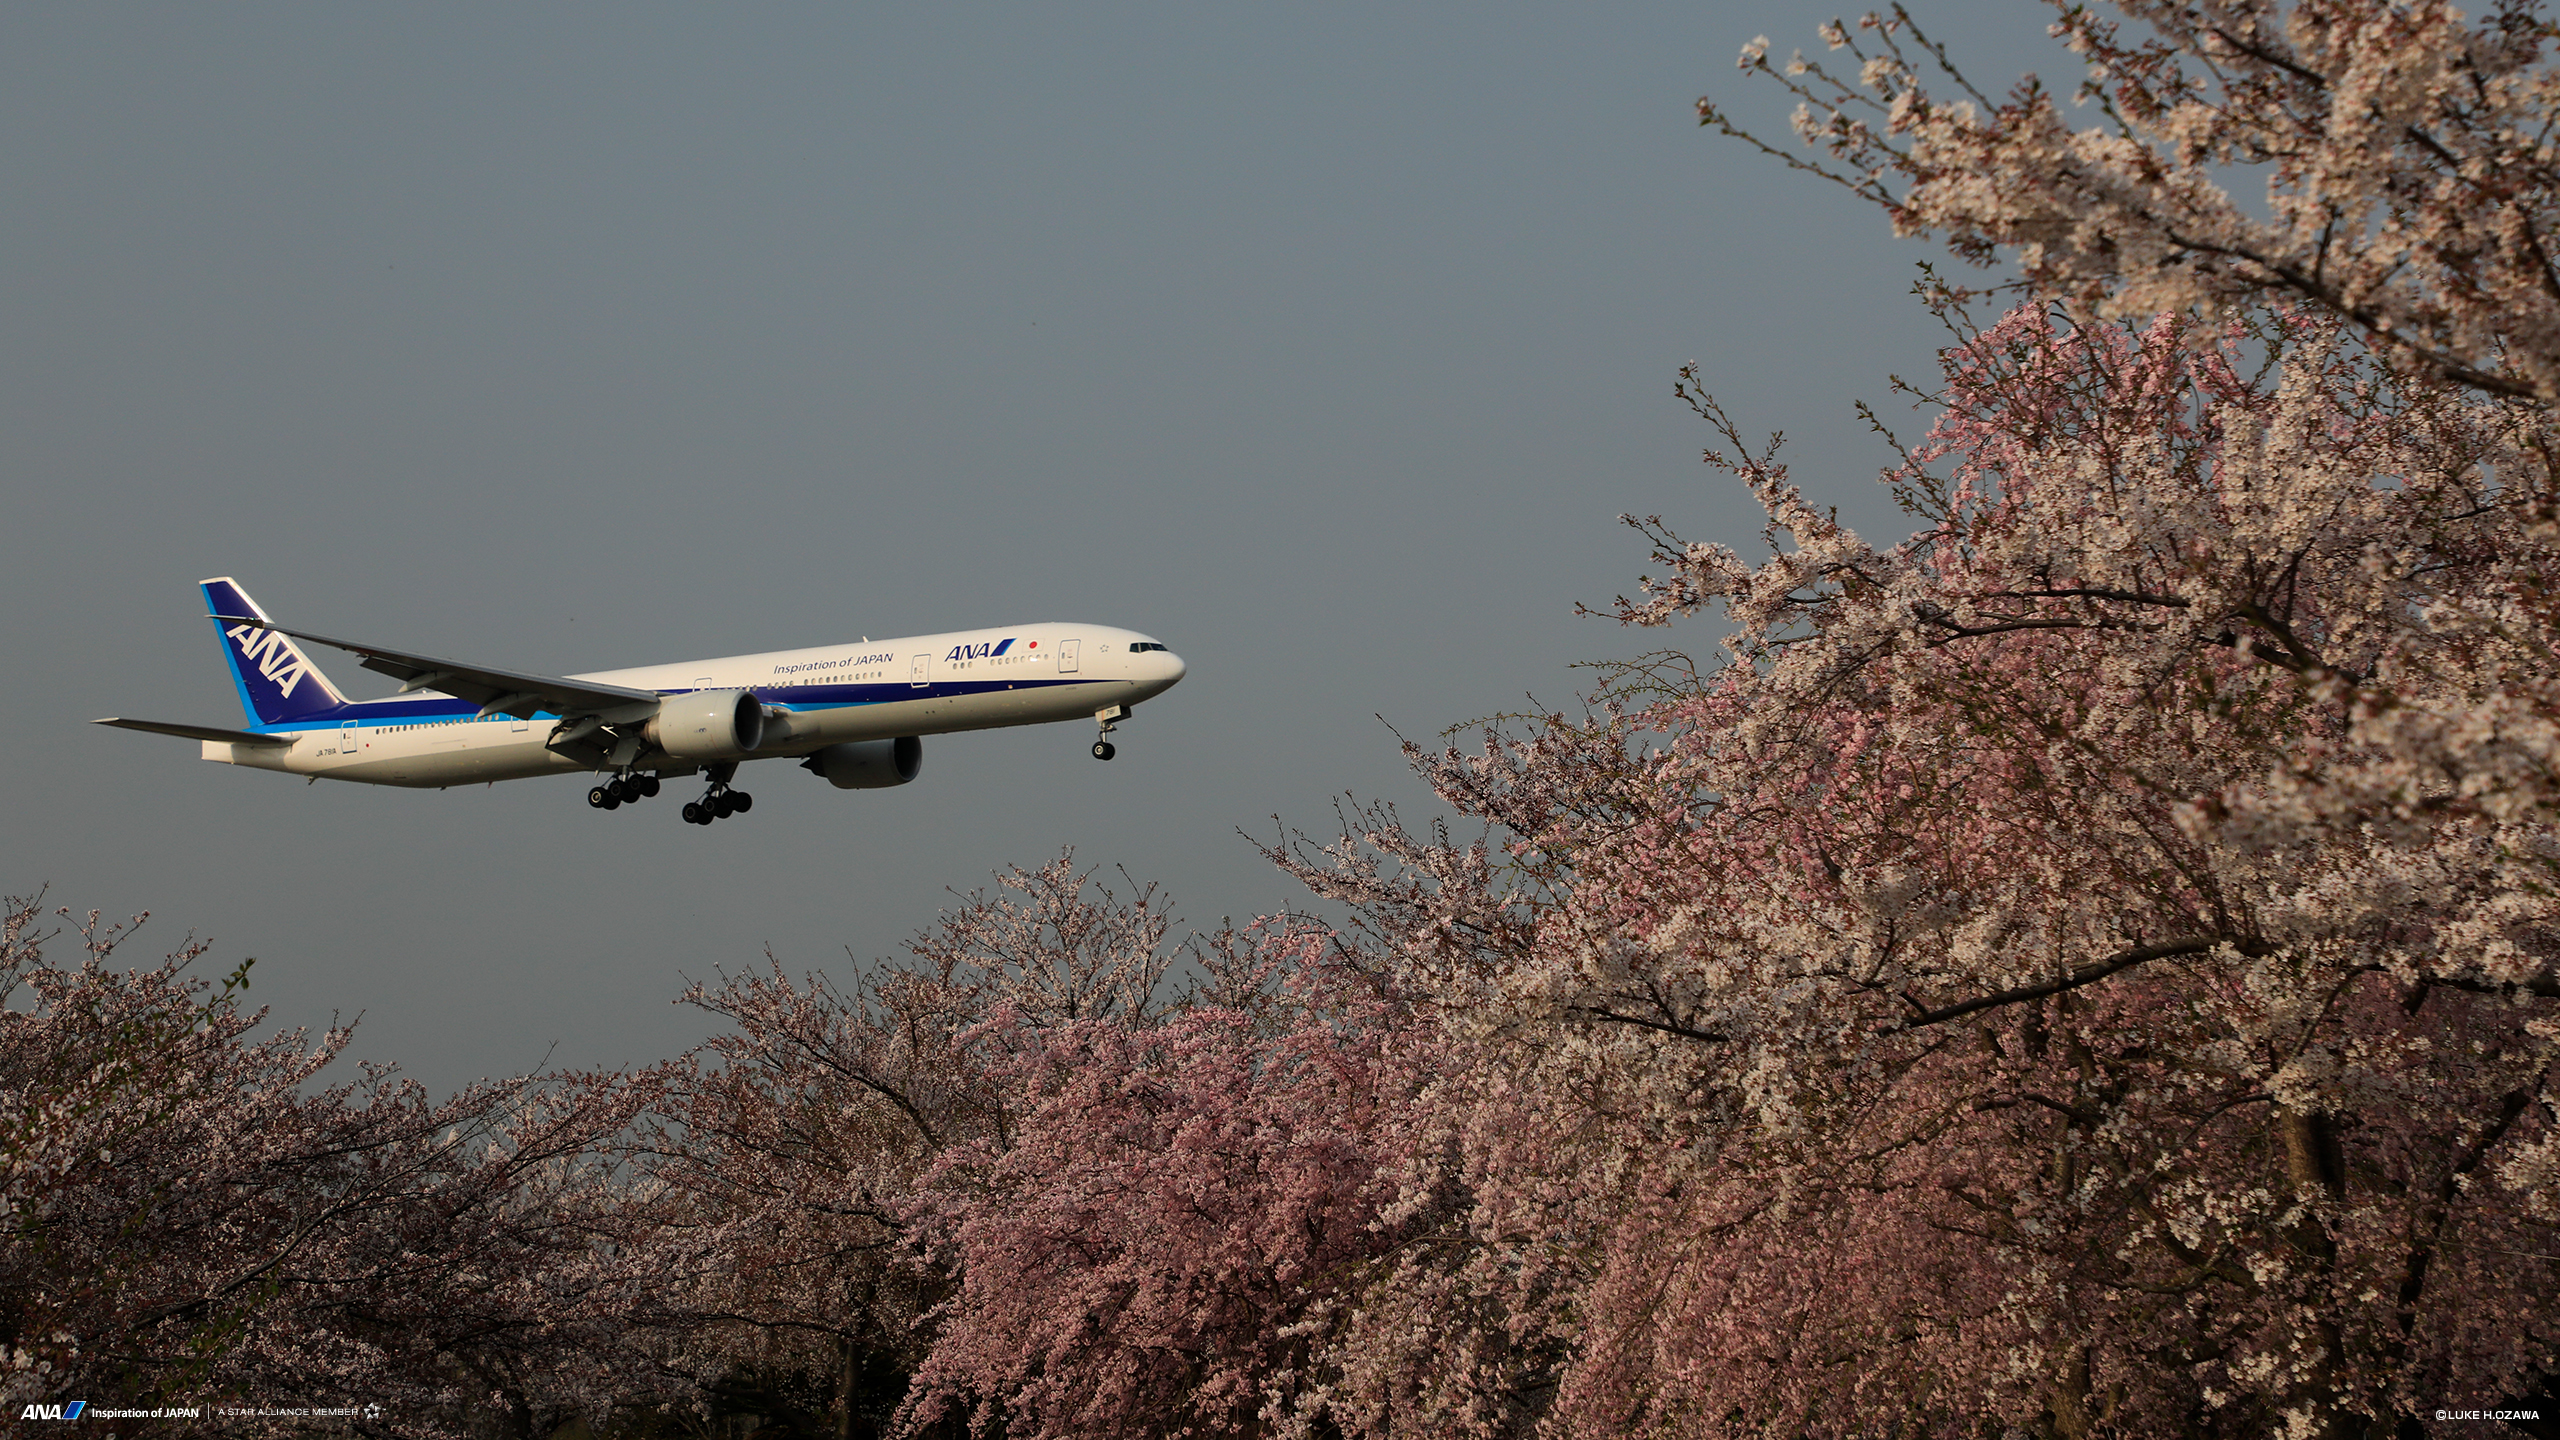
278	683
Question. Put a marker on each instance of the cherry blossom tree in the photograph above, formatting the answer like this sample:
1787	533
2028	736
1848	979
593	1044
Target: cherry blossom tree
190	1222
2051	973
801	1152
2405	151
1081	1180
1146	1245
787	1151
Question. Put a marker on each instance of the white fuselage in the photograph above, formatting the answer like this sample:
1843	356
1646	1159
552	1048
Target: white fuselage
813	698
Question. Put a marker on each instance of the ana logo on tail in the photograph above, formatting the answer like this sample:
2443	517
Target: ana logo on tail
274	656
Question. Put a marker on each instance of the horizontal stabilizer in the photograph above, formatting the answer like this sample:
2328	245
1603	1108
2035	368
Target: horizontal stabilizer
195	732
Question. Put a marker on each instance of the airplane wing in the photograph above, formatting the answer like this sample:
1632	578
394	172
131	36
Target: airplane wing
196	732
496	692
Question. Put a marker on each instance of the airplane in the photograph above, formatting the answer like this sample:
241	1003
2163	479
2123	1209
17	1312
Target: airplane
852	714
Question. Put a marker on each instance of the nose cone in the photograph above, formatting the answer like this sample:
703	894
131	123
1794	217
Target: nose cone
1156	671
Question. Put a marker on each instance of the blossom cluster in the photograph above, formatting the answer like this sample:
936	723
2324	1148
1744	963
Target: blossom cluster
2405	152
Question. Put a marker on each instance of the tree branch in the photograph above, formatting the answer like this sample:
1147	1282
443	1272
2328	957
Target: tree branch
2088	974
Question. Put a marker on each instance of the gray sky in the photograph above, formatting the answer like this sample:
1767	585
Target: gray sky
1325	345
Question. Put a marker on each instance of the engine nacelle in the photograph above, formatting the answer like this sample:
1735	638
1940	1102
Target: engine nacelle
707	725
868	764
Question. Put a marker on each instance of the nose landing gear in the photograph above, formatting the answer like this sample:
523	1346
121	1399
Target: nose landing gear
1109	717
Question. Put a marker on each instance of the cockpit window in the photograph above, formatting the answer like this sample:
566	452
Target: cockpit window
1142	646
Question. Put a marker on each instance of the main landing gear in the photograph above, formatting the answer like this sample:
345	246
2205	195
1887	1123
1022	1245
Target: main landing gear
1109	717
719	802
623	790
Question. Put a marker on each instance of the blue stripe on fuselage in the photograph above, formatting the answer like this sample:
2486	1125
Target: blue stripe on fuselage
408	710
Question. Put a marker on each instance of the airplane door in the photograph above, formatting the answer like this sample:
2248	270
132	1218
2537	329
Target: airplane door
1066	657
346	738
915	672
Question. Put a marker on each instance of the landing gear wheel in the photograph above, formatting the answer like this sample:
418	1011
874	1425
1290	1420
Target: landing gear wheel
1104	750
600	798
646	784
621	792
719	802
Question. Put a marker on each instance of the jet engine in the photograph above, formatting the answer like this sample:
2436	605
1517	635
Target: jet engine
707	725
868	764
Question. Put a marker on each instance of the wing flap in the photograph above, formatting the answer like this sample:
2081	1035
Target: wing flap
197	732
497	692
